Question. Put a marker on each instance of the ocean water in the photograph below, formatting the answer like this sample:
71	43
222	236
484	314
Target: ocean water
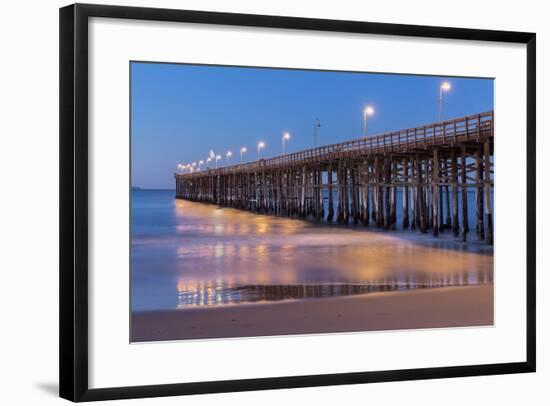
186	254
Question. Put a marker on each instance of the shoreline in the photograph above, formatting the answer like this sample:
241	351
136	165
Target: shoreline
454	306
445	239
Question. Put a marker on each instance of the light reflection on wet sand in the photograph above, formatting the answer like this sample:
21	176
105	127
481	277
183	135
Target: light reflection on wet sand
216	256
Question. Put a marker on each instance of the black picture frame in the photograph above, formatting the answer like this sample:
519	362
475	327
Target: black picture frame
73	196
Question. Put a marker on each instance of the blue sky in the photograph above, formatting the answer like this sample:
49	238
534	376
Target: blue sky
180	112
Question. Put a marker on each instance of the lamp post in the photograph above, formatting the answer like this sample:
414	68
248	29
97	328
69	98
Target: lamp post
286	137
367	111
243	150
444	87
200	164
218	157
207	162
261	145
228	155
316	125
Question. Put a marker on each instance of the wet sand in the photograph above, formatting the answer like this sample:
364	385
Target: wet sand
413	309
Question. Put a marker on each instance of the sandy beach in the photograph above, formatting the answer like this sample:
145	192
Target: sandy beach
419	308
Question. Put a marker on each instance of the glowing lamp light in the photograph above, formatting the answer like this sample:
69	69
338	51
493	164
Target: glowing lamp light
444	87
286	137
369	111
261	145
243	150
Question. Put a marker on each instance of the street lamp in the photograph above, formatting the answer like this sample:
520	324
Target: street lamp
367	111
444	87
207	162
218	157
261	145
228	155
286	137
316	125
200	163
243	150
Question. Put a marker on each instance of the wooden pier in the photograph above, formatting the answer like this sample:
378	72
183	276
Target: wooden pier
432	165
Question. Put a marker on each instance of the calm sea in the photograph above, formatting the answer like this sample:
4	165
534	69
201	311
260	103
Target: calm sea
186	254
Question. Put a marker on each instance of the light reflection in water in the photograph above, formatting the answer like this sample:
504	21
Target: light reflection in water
218	293
211	256
291	259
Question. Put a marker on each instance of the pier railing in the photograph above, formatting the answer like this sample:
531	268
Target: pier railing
475	128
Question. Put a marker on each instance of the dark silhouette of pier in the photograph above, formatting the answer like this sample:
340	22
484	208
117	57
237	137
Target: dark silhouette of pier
433	165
